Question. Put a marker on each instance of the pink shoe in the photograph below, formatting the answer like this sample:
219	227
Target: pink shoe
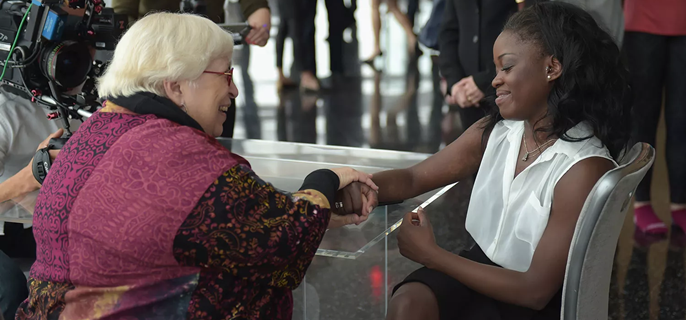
647	221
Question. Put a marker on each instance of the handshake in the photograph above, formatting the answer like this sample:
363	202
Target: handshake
355	199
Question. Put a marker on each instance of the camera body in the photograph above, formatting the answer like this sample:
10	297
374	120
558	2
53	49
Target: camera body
46	54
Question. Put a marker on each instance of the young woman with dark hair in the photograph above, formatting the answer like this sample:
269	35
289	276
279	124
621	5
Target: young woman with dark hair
560	123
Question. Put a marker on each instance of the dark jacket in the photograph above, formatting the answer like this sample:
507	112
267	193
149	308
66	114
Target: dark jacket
468	32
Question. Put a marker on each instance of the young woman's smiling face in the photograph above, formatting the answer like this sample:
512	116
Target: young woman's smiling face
522	83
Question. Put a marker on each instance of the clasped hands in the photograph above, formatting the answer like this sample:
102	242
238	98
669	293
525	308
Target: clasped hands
464	93
355	199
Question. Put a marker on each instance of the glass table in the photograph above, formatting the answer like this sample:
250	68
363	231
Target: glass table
285	165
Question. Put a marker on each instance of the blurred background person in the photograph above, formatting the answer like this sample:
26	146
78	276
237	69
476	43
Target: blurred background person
289	27
23	125
404	21
466	39
340	18
655	47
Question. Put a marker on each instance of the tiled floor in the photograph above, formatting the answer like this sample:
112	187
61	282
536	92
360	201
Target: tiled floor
395	109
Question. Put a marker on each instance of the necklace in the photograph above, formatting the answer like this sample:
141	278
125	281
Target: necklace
526	156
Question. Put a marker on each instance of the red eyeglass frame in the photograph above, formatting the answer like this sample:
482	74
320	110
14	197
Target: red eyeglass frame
229	75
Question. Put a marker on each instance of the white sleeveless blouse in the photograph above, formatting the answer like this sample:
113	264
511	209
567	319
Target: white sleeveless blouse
507	216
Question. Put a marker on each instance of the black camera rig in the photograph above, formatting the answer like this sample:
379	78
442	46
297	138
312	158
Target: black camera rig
46	54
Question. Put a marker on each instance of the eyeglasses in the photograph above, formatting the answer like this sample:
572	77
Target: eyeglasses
229	75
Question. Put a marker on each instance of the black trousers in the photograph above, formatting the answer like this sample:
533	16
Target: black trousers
340	17
289	27
658	64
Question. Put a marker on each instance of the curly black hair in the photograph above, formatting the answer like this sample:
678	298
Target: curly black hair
594	84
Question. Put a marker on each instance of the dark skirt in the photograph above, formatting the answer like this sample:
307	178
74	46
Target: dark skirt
457	301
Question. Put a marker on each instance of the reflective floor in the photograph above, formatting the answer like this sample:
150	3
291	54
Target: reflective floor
394	108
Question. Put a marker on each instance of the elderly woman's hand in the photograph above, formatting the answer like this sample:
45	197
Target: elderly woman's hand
349	175
260	21
337	221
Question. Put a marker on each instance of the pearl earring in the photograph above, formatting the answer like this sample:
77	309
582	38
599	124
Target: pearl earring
183	105
548	77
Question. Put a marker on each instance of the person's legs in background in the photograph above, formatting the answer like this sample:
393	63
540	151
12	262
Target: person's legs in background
340	18
412	9
285	30
675	118
280	41
646	56
405	23
308	62
376	29
251	116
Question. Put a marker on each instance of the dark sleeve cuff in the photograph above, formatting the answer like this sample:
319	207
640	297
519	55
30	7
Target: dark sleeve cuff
250	6
324	181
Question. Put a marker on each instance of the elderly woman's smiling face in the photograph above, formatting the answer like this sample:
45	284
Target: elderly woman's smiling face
208	98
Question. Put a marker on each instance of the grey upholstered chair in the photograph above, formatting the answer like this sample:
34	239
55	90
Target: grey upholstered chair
591	254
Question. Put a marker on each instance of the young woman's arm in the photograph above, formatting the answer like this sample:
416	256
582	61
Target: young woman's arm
455	162
535	287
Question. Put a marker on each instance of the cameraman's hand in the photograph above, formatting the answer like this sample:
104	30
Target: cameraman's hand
260	22
55	135
53	155
22	183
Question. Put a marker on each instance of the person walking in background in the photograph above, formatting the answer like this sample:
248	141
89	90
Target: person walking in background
655	47
288	28
340	18
404	21
466	39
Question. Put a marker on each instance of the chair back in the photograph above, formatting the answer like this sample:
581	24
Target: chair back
591	253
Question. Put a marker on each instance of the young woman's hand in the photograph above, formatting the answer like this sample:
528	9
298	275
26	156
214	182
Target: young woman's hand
416	237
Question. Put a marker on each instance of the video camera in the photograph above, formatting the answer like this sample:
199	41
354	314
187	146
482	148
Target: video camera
46	53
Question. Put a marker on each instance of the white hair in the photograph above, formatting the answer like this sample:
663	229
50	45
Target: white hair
163	46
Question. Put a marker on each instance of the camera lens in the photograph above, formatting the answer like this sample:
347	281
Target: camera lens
66	63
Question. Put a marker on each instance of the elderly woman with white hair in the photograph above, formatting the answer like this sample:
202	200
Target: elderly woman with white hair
144	215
